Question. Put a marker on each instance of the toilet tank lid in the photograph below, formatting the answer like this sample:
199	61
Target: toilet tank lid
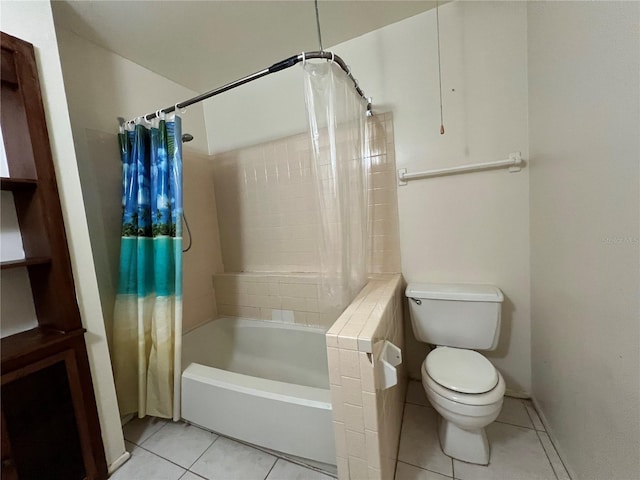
448	291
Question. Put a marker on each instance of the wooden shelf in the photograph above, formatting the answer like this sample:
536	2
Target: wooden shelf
25	262
48	400
28	342
7	183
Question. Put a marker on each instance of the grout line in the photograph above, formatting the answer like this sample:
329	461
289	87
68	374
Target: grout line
192	473
186	469
566	470
547	430
269	472
553	445
140	444
516	425
529	415
273	453
165	459
426	469
205	451
453	467
419	404
546	455
531	405
404	407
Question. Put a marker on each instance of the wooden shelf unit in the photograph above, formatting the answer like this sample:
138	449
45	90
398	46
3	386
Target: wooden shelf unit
13	184
25	262
46	380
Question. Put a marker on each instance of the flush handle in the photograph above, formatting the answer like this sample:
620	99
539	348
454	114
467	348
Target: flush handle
417	300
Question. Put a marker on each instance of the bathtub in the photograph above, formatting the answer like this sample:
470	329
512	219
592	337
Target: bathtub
261	382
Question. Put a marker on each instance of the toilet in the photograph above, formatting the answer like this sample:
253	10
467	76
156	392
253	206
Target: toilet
461	384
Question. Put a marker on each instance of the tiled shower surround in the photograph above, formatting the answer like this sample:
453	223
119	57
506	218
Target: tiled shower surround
291	298
267	210
366	418
269	222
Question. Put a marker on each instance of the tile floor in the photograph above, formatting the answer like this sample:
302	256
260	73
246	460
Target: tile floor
520	447
520	450
164	450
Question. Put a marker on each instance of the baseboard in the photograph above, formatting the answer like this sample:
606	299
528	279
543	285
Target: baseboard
126	419
119	462
517	394
204	322
553	439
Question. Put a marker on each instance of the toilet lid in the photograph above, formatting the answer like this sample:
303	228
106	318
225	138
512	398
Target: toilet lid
461	370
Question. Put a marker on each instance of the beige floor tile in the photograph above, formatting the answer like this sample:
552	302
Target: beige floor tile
535	418
144	465
130	447
139	429
416	394
180	443
404	471
284	470
191	476
230	460
516	453
554	458
514	412
419	443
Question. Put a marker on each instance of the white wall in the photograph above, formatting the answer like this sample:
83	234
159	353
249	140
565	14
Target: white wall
102	86
263	110
584	62
467	228
17	311
33	22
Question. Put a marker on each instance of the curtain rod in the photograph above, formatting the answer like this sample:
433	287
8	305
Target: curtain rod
276	67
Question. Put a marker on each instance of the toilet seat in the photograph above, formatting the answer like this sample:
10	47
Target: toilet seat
461	370
477	399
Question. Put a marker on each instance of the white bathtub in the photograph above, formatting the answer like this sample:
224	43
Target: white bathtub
265	383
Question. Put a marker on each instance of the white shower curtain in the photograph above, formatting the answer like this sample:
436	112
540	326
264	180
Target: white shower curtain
336	115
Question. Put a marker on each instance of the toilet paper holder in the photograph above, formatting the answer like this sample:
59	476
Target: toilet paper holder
390	357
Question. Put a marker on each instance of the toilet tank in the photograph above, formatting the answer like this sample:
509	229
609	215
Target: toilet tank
462	316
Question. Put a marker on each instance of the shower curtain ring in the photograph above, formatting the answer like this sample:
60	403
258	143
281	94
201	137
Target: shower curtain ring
178	109
304	58
332	57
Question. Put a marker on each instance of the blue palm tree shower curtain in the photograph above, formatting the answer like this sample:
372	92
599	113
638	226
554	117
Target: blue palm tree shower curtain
147	327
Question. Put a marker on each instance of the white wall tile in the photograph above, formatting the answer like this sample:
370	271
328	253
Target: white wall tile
366	373
349	363
343	467
370	411
373	449
356	446
357	468
340	435
268	198
337	403
353	418
352	391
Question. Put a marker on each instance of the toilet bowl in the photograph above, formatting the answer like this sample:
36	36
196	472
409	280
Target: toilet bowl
462	385
467	391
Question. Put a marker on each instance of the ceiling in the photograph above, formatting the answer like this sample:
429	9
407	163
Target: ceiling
204	44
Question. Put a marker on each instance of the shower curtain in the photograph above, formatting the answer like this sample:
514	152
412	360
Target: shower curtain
337	121
147	328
